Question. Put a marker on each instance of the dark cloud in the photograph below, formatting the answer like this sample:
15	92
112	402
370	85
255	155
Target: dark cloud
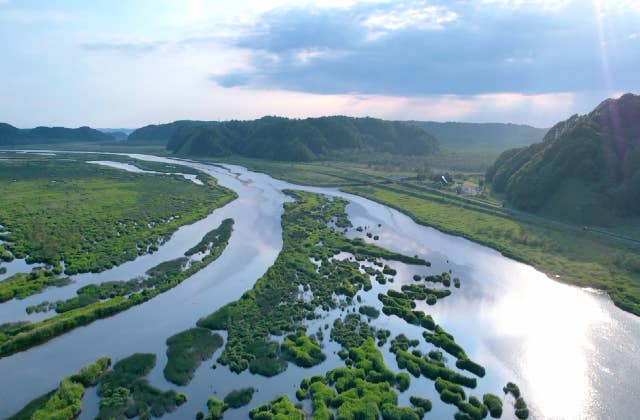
460	47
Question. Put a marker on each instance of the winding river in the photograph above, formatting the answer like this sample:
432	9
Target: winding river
573	353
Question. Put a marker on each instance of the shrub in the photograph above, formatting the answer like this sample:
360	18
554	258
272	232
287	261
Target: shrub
239	398
494	404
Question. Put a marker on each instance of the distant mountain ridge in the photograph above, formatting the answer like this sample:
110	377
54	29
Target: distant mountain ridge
598	152
12	136
482	135
287	139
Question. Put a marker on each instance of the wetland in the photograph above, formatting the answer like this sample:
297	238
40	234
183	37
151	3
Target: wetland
289	307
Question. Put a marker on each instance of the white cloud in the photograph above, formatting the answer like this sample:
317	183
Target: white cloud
382	22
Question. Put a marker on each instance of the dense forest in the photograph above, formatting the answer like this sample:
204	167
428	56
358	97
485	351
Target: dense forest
598	153
10	135
290	139
161	133
482	135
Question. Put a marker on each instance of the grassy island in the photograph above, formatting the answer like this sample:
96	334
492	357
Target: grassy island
186	351
275	305
109	216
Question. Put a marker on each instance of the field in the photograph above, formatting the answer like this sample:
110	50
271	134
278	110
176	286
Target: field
92	217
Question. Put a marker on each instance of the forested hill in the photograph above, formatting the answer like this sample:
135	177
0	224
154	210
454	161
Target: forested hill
482	135
597	154
12	136
161	133
294	140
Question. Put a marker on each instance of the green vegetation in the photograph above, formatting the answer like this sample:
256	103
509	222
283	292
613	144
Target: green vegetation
421	292
27	412
482	135
275	305
65	403
362	391
295	140
239	397
422	403
185	352
522	412
279	408
511	388
302	350
440	338
351	332
420	365
21	285
494	404
369	311
114	214
401	305
12	136
109	216
124	392
467	364
216	409
213	241
599	149
119	296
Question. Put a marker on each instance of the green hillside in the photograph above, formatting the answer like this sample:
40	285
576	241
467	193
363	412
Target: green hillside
12	136
290	139
458	135
594	158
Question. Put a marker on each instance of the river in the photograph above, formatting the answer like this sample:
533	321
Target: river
571	351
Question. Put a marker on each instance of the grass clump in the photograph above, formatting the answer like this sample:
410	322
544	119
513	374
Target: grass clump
513	389
369	311
522	412
471	366
494	404
216	409
422	403
302	350
186	351
279	408
365	390
21	285
440	338
239	397
399	304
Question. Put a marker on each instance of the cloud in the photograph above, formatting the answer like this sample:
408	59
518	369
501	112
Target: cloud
418	48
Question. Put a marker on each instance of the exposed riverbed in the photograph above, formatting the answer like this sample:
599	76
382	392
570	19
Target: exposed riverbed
573	353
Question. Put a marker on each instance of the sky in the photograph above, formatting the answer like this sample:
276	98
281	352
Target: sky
131	63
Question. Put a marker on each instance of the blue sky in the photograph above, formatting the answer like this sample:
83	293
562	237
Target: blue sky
127	64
